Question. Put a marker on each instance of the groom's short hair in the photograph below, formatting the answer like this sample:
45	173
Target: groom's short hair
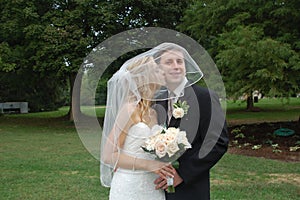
171	47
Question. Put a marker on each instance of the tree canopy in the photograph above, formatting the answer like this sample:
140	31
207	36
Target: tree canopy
43	43
253	43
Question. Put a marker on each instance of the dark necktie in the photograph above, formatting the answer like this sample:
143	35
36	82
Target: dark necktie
172	97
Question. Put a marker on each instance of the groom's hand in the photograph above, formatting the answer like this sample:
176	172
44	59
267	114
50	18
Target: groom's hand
161	182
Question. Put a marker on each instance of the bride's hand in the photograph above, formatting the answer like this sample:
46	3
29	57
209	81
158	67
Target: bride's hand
166	171
161	168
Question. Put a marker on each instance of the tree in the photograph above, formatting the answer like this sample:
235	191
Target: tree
19	41
204	20
51	38
250	62
66	39
253	42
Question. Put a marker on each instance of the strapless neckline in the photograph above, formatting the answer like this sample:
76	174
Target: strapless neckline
144	124
136	137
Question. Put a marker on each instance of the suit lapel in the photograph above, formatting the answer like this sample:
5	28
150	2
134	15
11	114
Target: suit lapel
161	108
186	97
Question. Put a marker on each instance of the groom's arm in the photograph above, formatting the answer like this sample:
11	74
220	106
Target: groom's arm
211	141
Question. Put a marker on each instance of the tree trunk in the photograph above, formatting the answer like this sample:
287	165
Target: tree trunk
250	104
75	87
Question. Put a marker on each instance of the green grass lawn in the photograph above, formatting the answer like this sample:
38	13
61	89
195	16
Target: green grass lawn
236	113
42	157
271	110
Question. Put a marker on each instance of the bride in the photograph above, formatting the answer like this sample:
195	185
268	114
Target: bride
129	120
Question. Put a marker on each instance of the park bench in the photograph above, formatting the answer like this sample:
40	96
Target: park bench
14	107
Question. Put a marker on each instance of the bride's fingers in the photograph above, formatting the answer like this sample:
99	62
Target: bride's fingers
165	172
169	170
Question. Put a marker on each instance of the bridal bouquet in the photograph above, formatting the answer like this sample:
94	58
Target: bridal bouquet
167	145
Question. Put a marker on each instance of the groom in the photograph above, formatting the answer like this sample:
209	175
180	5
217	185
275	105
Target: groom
204	124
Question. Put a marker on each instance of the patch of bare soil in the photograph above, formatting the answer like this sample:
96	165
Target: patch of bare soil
259	140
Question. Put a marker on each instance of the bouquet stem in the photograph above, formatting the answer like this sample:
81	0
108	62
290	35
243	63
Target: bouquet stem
171	188
170	181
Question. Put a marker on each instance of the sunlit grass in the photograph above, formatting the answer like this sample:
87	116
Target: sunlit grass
270	110
247	178
97	111
265	103
45	159
42	157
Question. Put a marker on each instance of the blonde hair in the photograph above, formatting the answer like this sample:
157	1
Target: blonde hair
145	66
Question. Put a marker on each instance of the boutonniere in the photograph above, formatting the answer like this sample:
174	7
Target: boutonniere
180	109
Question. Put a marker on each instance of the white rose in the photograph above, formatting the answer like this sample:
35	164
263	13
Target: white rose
170	138
178	113
172	148
160	138
160	149
181	136
187	145
150	144
172	130
182	139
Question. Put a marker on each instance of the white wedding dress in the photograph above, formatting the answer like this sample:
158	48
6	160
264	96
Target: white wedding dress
135	185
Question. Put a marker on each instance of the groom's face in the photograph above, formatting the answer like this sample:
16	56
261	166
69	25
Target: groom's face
172	63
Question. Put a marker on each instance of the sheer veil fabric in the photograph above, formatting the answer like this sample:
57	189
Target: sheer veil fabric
138	79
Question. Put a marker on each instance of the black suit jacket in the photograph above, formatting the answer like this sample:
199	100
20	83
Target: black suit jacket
207	131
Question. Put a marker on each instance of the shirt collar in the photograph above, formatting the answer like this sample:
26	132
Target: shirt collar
179	91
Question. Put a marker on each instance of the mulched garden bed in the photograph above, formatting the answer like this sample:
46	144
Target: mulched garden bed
259	140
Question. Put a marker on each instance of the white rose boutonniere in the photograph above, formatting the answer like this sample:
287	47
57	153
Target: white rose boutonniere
180	109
